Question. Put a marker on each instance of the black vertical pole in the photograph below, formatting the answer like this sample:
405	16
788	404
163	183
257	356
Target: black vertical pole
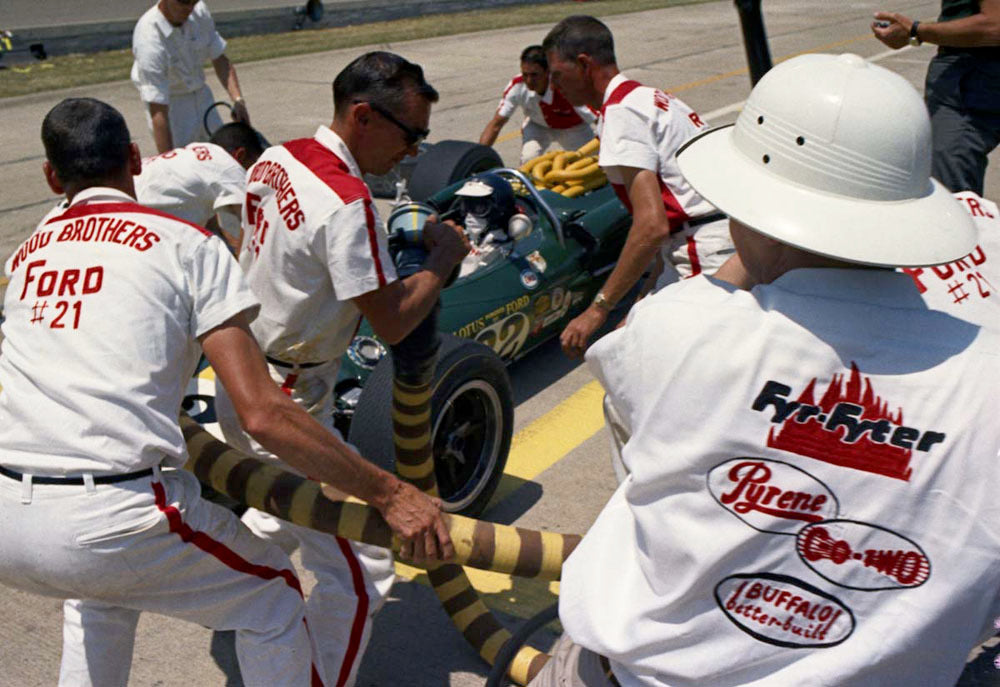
754	38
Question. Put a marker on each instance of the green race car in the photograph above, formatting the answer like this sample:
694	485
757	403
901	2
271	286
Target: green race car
543	272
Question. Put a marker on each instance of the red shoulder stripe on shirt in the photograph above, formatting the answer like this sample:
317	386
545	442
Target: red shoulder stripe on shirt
335	173
676	217
618	95
513	82
87	209
328	168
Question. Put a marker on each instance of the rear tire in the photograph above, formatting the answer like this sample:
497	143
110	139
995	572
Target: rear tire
472	420
447	162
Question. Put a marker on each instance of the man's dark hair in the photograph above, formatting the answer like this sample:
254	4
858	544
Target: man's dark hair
238	135
86	141
581	35
380	77
535	54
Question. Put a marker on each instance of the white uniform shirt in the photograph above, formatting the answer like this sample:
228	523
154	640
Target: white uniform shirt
644	127
192	182
550	109
103	310
812	497
312	240
967	288
169	60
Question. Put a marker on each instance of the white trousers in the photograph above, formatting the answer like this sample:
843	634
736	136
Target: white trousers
695	250
187	116
152	544
352	579
536	139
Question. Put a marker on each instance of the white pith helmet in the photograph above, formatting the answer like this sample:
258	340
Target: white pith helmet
832	154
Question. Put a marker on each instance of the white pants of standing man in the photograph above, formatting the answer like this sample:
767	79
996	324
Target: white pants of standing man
536	139
352	579
187	116
151	544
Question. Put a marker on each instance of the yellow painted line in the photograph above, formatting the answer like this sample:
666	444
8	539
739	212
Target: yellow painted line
548	439
509	136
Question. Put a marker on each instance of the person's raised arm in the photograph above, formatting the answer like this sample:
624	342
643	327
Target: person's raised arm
978	30
650	228
398	307
492	130
283	428
226	71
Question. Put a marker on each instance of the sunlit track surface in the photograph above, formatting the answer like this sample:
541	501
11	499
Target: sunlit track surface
558	473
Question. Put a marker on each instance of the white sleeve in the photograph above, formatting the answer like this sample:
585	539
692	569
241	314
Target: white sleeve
228	184
356	250
512	98
150	70
217	44
626	139
218	288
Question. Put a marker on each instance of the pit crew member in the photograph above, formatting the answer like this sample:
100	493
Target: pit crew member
109	307
641	129
549	117
315	255
823	427
203	183
170	43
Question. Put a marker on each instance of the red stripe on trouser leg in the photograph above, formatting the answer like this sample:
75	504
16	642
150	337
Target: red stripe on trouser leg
693	257
360	614
289	384
224	554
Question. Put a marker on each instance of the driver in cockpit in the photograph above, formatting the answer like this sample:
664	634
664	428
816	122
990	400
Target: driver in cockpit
486	204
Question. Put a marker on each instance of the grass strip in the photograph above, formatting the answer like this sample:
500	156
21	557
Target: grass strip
82	70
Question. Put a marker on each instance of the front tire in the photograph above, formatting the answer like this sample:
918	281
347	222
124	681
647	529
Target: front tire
472	419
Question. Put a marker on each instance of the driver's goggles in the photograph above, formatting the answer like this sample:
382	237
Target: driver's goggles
480	207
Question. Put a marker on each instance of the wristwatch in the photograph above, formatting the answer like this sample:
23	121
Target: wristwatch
602	303
914	38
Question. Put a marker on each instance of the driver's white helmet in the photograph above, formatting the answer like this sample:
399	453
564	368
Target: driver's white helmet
832	154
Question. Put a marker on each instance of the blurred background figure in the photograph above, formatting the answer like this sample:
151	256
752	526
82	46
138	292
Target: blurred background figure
962	90
549	117
171	43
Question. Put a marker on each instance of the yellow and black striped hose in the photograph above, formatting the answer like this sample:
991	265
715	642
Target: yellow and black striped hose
478	544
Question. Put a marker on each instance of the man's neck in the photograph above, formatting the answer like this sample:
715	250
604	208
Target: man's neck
602	77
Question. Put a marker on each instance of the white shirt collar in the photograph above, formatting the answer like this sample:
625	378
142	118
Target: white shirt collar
330	140
101	194
616	81
881	286
162	23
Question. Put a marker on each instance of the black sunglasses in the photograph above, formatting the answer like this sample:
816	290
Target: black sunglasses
411	135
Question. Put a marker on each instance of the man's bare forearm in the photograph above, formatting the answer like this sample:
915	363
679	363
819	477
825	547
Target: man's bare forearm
641	247
160	117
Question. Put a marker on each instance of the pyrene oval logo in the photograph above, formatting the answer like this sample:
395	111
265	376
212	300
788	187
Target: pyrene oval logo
784	611
770	495
859	555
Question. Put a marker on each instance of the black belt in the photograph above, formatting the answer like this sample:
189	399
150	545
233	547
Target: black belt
282	363
705	219
100	479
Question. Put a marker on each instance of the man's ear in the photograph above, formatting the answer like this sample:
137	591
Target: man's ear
240	155
134	159
361	112
51	179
